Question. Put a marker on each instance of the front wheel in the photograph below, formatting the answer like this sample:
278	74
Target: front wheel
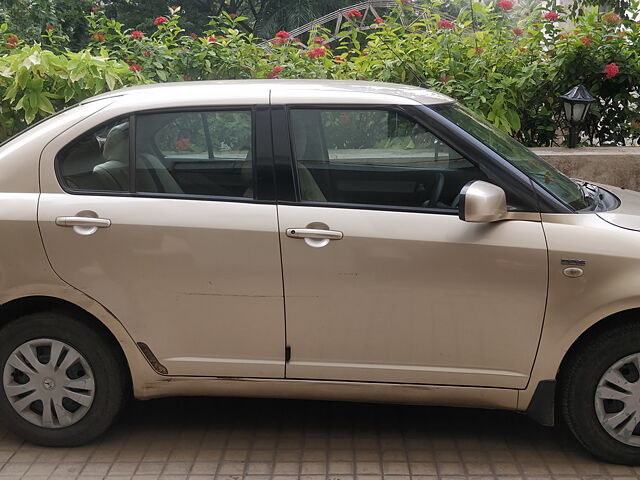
600	395
62	382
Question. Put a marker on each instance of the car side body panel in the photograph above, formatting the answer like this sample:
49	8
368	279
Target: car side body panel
610	284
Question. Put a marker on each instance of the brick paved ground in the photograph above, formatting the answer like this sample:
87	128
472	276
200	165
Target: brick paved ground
280	440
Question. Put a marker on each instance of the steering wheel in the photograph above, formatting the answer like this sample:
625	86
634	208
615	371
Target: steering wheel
438	186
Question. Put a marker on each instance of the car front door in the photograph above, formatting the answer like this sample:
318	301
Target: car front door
383	281
177	242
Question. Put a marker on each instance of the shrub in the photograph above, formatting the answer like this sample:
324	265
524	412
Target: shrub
510	71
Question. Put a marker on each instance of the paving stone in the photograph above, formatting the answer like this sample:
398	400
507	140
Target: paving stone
251	439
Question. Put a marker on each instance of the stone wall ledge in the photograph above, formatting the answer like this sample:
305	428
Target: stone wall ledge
619	166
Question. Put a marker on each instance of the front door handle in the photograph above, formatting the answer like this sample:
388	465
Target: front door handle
314	233
84	225
83	222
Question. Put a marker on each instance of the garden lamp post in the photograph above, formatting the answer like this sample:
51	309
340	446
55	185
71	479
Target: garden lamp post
576	106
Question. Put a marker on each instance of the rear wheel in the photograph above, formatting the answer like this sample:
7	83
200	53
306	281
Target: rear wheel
600	395
63	384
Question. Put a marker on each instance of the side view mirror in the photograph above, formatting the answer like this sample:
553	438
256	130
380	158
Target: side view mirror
482	202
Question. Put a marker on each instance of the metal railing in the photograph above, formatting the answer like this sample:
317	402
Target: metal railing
369	10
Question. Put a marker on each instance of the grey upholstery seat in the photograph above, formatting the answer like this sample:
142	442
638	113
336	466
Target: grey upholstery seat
151	174
309	189
114	173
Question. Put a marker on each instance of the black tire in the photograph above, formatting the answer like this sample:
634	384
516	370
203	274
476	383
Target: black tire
578	382
111	385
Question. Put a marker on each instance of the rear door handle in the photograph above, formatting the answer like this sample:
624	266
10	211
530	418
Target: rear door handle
314	233
83	222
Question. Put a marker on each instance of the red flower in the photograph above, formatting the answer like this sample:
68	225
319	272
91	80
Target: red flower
339	59
275	71
134	67
160	20
49	27
98	37
317	52
505	5
186	78
283	35
95	9
183	144
318	41
586	40
446	24
194	36
517	31
611	70
174	7
13	39
233	15
137	34
612	18
479	50
553	16
147	53
353	14
378	20
277	41
212	39
10	46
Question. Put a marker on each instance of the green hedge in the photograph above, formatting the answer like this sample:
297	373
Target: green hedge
510	70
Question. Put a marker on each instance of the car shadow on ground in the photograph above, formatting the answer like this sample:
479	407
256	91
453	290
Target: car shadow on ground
233	438
239	423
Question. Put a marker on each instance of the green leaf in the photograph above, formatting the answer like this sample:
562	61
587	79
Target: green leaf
513	119
44	105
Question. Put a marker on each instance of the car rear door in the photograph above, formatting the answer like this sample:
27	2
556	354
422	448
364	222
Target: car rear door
167	219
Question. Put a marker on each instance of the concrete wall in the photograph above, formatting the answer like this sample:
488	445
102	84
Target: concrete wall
619	166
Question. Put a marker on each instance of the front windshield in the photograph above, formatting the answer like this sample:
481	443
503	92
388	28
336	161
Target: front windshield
518	155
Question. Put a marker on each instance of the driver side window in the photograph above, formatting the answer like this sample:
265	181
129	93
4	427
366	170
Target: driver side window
375	157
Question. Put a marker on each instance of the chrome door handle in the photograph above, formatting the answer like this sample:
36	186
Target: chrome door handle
83	222
314	233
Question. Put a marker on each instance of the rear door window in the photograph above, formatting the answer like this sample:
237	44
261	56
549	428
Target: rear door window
195	153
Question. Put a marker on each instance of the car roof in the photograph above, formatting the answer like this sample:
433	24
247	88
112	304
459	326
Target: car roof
280	92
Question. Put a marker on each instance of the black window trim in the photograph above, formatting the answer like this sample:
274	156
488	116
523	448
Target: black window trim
263	184
414	113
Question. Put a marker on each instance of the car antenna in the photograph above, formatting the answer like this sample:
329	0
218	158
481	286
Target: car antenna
420	78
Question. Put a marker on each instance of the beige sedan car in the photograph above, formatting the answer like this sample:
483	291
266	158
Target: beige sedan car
309	239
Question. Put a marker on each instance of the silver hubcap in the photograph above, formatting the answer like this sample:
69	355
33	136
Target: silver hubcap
48	383
617	400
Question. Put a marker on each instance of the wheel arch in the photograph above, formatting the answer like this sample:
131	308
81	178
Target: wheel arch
15	308
545	393
623	317
630	315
